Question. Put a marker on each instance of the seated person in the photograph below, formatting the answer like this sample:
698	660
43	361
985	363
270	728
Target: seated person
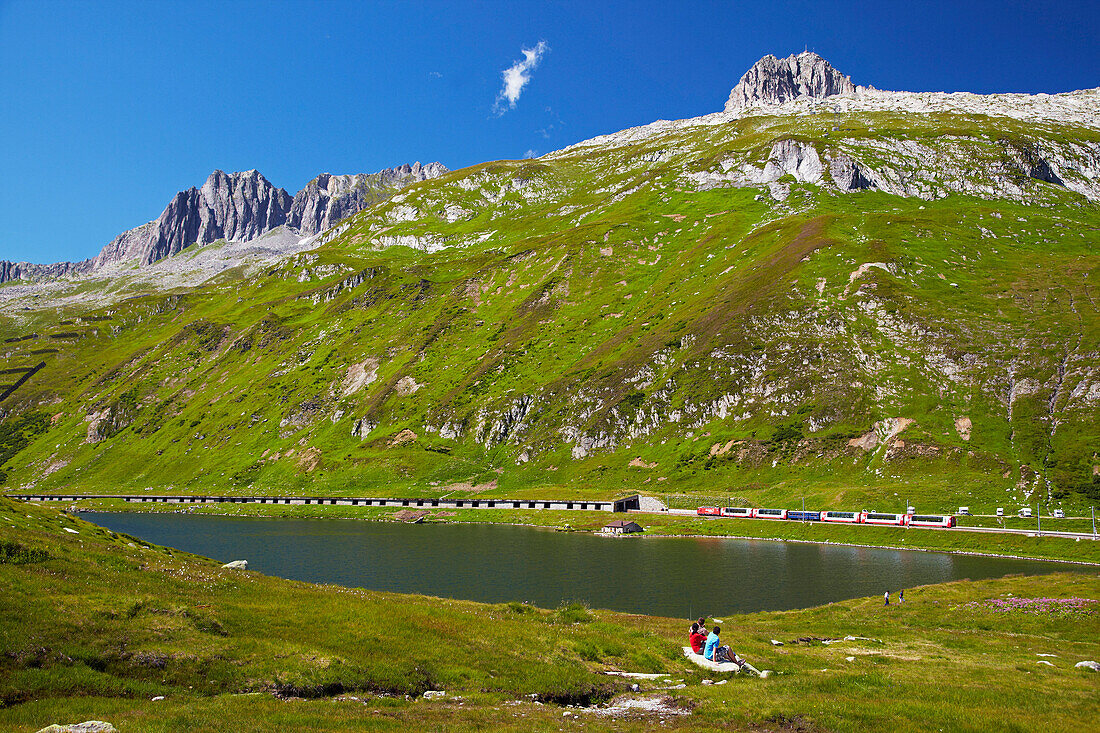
697	638
715	652
712	643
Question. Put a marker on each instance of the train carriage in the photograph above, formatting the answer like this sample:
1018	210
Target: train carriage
845	517
734	511
932	520
895	520
769	513
801	516
709	511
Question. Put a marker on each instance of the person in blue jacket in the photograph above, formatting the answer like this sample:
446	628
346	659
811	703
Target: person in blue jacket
716	652
712	643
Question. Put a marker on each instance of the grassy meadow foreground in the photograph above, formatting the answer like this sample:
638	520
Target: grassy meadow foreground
94	625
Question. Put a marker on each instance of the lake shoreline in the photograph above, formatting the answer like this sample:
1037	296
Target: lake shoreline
647	533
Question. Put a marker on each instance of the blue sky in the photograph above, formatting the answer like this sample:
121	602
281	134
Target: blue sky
107	109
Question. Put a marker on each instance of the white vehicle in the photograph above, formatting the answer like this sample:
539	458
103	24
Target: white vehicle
1025	512
1000	511
964	510
1059	513
769	513
732	511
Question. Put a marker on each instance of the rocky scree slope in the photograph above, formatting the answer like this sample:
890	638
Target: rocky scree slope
693	308
237	207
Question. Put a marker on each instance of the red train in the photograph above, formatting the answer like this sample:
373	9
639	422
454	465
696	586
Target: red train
945	521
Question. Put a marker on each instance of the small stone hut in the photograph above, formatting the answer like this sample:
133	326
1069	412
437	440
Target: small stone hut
621	526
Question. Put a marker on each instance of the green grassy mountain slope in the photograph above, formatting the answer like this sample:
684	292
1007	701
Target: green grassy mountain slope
861	310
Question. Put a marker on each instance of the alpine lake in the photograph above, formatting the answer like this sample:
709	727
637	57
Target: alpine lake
493	563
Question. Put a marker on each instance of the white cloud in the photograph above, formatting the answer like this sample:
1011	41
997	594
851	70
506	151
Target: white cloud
516	77
531	154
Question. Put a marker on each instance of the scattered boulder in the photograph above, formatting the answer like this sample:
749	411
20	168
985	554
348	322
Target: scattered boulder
964	426
405	436
362	427
237	565
434	694
1094	666
407	385
359	376
88	726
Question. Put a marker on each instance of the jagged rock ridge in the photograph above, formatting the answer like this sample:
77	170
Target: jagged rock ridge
237	207
774	81
327	199
233	206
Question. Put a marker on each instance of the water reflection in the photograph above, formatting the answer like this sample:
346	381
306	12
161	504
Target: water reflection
495	563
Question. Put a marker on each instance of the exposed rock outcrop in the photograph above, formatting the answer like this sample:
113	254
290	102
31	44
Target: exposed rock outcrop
847	174
881	432
328	199
774	81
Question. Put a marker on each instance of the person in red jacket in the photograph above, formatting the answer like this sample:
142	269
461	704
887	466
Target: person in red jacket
697	638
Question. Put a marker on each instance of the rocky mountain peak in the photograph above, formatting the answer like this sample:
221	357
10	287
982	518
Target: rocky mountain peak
773	80
238	207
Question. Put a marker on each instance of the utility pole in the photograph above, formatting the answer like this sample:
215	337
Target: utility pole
804	514
1093	521
1039	518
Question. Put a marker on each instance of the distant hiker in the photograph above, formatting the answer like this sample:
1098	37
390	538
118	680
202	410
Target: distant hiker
697	638
901	596
886	596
